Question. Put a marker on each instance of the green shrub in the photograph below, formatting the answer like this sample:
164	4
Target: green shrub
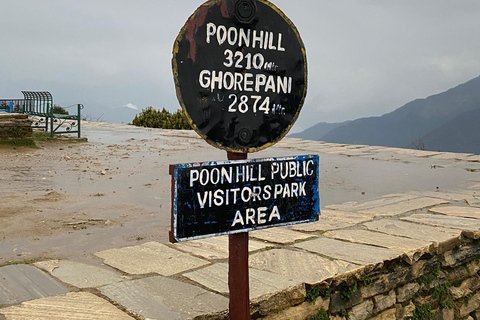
152	118
422	312
59	110
348	291
322	315
444	296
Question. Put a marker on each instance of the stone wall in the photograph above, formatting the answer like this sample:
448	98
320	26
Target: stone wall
438	282
15	125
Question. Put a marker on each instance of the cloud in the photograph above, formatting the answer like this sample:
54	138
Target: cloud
131	106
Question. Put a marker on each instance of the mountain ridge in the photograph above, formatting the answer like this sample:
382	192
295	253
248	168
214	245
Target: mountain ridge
415	120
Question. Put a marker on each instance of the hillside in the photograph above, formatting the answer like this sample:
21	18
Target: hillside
428	118
320	129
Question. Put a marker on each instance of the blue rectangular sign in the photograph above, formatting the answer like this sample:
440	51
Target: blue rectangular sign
216	198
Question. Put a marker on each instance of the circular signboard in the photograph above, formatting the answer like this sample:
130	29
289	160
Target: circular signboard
240	72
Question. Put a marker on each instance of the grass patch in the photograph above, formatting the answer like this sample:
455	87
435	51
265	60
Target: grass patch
28	261
41	135
18	142
322	315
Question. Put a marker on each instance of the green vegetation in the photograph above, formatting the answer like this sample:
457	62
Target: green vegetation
28	261
441	292
41	135
342	313
315	292
26	141
347	291
466	299
18	142
152	118
322	315
368	281
427	279
59	110
422	312
444	296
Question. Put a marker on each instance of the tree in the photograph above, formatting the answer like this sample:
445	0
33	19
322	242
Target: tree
59	110
152	118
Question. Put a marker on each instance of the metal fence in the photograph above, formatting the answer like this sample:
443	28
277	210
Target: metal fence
12	105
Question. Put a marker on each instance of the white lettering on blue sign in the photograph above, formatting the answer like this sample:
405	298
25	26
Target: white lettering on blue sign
258	213
250	173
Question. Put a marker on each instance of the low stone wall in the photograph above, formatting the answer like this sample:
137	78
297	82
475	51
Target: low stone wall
438	282
15	125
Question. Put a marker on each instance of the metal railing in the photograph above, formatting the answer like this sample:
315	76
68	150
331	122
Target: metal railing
12	105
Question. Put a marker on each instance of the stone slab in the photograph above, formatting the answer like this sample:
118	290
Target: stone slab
321	225
452	156
303	266
403	207
280	235
412	230
72	306
417	153
474	158
334	150
384	201
378	239
150	257
163	298
214	247
385	156
347	251
19	283
466	212
449	196
445	221
475	186
344	216
215	277
79	274
474	203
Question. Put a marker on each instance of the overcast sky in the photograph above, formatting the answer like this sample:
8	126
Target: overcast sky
365	57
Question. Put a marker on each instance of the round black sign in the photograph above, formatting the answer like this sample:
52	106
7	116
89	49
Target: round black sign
240	72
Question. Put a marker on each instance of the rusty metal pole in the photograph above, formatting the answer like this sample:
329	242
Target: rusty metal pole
238	278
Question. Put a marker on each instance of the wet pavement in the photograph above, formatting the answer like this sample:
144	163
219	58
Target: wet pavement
73	199
95	216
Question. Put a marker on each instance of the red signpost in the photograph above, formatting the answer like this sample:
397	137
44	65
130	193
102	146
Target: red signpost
238	277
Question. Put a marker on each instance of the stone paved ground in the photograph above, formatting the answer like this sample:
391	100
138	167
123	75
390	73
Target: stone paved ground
183	281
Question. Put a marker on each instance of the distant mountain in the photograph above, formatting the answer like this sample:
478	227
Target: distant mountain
320	129
450	113
462	134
